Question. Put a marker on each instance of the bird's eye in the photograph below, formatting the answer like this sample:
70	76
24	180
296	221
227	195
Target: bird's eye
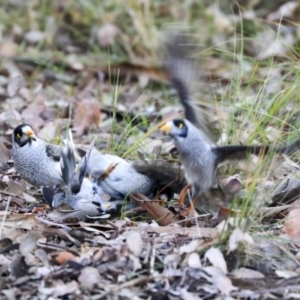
19	135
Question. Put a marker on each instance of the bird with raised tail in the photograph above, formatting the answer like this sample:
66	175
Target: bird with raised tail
200	157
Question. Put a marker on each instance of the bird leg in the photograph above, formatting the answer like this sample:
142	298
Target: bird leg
185	191
183	194
108	171
190	208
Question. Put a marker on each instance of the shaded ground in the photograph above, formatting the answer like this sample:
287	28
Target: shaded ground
96	68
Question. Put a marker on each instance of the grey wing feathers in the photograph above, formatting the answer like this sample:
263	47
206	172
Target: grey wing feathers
53	151
68	165
68	161
83	167
180	68
48	194
52	195
69	175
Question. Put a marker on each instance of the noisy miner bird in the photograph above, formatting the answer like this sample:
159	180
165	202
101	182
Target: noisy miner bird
119	178
34	159
200	157
98	177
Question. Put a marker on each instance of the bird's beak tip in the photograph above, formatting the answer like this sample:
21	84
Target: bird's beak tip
30	133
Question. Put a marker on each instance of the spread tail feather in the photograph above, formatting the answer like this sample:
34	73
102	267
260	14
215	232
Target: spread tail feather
82	170
67	160
241	151
164	177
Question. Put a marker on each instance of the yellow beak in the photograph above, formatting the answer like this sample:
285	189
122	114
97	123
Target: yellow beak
29	133
166	128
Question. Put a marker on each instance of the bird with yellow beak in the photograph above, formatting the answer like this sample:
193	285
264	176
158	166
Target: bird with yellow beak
34	159
199	156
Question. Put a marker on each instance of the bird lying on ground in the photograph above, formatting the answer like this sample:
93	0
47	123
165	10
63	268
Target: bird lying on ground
101	182
200	157
119	178
38	162
80	192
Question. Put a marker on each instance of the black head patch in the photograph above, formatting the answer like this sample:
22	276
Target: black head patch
182	129
20	136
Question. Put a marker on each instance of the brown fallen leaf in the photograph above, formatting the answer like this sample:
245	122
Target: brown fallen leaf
33	111
87	112
48	131
11	118
15	222
4	156
15	188
159	213
291	224
13	86
224	213
64	257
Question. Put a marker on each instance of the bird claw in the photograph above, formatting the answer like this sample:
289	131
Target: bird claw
108	171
